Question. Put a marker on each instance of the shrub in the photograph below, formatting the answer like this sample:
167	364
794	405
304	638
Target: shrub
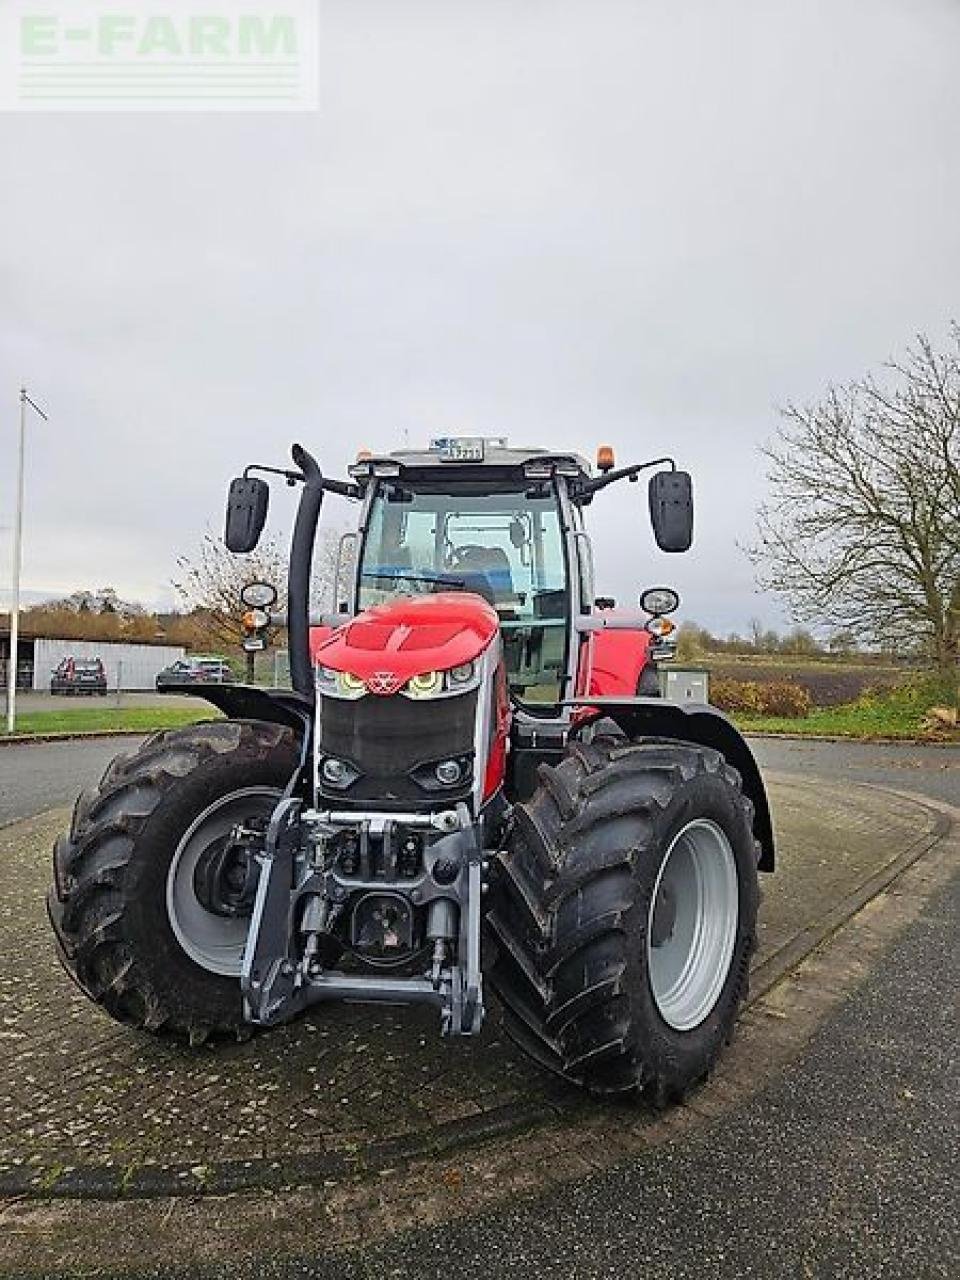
751	698
743	696
783	698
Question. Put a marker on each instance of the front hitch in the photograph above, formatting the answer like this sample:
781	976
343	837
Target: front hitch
291	944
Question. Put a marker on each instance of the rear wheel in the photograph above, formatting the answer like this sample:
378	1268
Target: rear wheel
152	894
624	916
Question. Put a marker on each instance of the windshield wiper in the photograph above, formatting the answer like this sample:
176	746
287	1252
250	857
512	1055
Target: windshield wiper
383	576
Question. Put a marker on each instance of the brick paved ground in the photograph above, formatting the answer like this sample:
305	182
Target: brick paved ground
89	1107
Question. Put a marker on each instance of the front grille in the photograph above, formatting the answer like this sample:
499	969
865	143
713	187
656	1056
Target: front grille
387	739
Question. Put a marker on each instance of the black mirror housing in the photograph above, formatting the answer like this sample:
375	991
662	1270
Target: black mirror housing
671	510
247	504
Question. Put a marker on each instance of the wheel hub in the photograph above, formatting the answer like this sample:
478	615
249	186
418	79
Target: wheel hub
212	879
225	877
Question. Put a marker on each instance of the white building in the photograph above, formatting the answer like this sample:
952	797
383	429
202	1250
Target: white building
128	666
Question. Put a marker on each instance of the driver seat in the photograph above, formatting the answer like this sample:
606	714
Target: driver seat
490	564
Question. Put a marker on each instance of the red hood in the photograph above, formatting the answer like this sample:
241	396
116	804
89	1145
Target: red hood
408	636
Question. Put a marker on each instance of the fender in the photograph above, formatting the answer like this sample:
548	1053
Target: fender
619	658
704	725
246	702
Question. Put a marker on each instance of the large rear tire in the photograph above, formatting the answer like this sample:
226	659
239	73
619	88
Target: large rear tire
624	916
130	926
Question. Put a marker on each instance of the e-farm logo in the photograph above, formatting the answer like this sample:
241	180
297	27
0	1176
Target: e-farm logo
158	55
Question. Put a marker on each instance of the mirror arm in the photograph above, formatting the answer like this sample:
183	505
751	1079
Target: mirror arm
585	489
291	477
341	487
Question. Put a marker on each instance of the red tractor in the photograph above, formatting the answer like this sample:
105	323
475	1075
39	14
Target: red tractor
465	789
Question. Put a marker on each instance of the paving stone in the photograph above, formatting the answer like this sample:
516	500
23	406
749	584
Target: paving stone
83	1099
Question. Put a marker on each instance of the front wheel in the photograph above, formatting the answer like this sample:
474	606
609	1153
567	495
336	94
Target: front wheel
152	886
624	916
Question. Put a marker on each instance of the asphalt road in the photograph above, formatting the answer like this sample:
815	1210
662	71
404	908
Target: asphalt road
36	777
847	1166
930	771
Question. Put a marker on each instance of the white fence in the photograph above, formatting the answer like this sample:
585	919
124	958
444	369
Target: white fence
128	666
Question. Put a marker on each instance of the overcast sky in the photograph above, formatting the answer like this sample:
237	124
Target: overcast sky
646	223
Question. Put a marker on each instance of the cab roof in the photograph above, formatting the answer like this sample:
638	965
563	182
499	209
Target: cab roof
474	456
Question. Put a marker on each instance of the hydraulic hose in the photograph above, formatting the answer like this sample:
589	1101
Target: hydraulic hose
298	579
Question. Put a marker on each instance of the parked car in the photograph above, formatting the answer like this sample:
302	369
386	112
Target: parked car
79	676
194	671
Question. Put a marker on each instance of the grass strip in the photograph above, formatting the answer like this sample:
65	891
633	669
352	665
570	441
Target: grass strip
109	719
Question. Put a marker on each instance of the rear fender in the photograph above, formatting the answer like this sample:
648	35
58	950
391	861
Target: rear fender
704	725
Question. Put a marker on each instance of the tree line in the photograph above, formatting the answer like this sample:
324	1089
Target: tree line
695	640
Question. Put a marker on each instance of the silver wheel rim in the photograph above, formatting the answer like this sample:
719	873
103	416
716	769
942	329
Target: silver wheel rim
215	943
692	925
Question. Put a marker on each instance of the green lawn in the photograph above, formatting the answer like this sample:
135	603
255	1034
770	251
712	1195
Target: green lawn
108	719
889	713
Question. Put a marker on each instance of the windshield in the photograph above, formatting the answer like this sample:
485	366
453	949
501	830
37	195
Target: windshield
506	547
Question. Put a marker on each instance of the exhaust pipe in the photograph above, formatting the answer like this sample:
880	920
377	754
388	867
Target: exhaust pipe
298	578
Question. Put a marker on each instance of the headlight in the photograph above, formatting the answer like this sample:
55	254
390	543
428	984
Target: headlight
349	685
462	675
659	600
326	679
339	684
444	684
426	685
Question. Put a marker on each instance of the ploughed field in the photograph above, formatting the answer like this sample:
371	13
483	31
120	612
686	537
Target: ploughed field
829	683
870	700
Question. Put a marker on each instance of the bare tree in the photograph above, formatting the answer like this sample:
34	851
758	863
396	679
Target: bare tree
210	581
862	533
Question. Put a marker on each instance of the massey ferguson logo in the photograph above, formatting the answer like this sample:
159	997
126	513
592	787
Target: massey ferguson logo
384	682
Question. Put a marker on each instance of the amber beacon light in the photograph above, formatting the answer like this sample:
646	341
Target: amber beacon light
605	459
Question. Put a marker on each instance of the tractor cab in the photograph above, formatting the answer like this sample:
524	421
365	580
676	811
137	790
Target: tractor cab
497	523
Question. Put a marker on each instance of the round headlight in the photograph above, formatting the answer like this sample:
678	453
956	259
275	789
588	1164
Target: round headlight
426	684
334	770
449	772
659	600
259	595
462	674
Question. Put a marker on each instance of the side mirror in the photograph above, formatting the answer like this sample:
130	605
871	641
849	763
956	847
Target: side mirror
247	504
671	509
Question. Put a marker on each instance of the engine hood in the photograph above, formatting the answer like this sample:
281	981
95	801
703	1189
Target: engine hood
387	645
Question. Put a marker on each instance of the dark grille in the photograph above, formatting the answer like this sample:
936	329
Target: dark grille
387	738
